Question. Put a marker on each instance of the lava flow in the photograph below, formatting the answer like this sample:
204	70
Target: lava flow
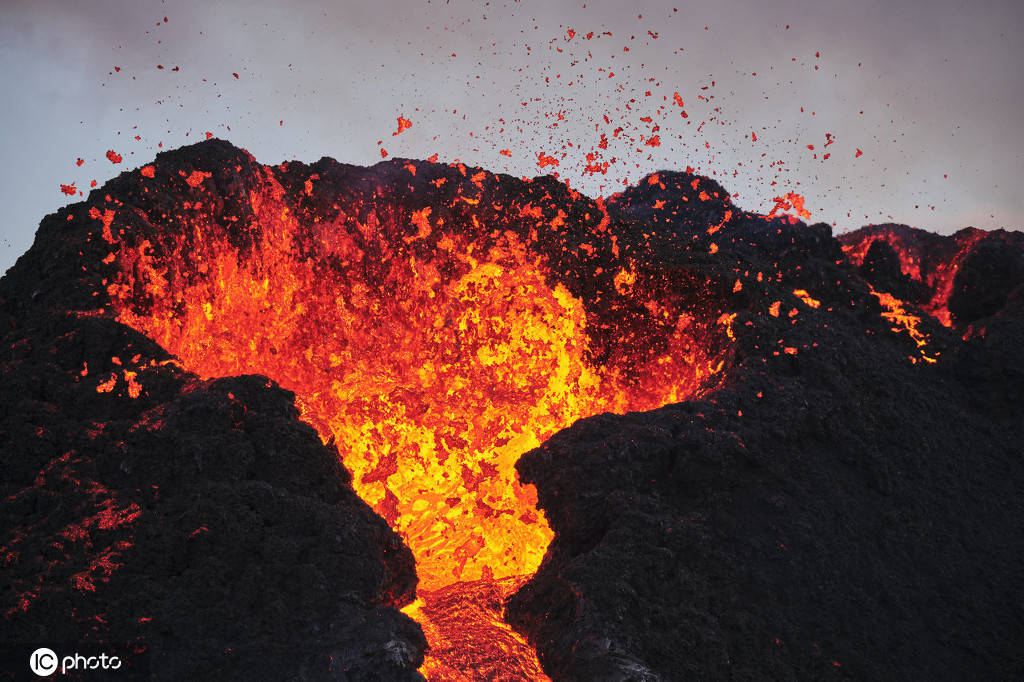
927	259
433	355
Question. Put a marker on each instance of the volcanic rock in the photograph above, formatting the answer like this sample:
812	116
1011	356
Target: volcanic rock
836	512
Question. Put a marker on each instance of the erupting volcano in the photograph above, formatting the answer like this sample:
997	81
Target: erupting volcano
433	343
647	437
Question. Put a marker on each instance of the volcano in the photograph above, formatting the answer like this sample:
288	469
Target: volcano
419	419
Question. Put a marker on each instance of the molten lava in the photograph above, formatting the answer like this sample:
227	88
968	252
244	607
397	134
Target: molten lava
433	356
894	311
924	258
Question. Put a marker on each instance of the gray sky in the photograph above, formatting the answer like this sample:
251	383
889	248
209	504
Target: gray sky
928	90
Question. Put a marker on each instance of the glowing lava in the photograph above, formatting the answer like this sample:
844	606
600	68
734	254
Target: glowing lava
924	257
894	311
433	358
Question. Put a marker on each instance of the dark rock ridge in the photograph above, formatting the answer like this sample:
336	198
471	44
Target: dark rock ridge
837	515
201	521
834	507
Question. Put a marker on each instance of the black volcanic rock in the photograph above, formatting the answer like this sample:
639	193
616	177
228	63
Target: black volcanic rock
833	505
200	521
881	268
682	204
835	513
846	517
986	278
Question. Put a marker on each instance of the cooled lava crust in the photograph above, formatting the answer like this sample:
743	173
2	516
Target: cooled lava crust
817	473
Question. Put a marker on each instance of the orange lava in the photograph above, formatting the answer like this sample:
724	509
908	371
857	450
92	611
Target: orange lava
468	640
939	277
432	369
895	312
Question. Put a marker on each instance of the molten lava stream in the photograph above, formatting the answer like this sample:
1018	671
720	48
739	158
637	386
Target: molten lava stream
468	638
432	375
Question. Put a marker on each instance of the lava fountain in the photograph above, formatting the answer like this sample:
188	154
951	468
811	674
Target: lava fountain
433	346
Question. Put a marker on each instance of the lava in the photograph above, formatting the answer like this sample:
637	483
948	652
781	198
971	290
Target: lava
432	355
895	312
924	258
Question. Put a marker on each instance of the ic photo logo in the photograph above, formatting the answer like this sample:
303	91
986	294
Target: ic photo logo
44	662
